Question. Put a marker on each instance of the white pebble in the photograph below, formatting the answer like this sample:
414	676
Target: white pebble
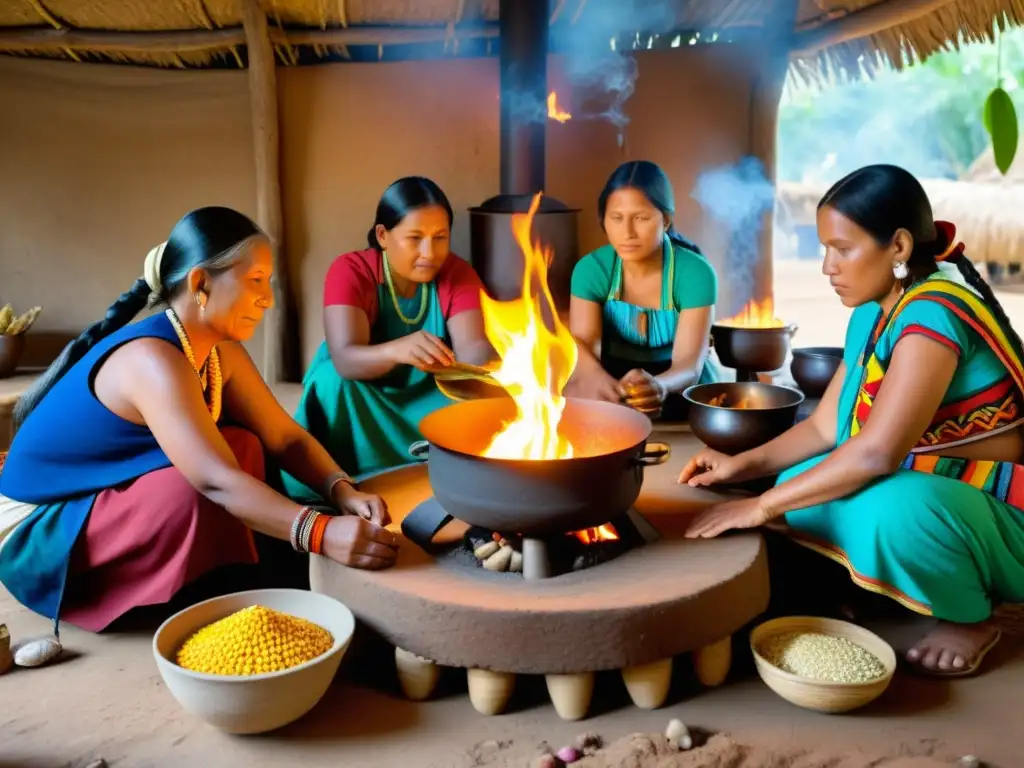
36	653
678	735
969	761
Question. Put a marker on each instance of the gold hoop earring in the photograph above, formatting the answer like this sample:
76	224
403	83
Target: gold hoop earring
199	301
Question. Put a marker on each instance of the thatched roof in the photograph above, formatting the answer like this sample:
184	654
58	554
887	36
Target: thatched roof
986	213
984	169
831	36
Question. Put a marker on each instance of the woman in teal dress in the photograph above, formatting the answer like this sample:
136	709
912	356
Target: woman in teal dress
641	306
393	312
909	473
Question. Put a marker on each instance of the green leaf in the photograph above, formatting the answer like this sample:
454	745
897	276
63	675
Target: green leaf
1000	118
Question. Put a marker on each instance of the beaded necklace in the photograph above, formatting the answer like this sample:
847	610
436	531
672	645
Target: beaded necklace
210	376
394	295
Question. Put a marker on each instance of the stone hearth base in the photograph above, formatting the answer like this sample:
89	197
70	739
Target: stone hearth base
633	613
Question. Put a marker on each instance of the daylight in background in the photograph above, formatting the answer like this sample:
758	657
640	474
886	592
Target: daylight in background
928	119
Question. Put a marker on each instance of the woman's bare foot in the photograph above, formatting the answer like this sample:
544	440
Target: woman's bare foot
953	648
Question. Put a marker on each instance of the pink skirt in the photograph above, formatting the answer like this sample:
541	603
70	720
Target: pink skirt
145	541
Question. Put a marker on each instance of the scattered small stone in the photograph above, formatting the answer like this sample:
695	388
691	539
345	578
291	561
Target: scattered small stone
100	763
516	564
500	560
547	760
568	755
36	653
969	761
678	735
588	743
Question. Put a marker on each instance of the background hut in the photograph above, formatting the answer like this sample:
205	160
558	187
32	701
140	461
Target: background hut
300	112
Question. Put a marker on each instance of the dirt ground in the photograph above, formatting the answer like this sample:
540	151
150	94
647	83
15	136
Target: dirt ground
105	697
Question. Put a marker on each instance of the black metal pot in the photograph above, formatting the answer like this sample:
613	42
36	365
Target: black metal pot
733	430
542	497
814	367
752	349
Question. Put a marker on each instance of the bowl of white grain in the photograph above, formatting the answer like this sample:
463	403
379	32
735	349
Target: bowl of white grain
822	664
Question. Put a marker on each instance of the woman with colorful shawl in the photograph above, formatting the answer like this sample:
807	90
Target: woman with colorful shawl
393	314
641	306
909	473
137	469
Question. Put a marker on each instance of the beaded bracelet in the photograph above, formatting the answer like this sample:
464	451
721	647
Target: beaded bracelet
341	476
297	524
307	531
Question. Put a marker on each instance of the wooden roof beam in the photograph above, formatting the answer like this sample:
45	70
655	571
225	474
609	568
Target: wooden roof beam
832	29
227	37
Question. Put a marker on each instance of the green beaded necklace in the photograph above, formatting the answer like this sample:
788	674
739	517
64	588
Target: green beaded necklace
394	295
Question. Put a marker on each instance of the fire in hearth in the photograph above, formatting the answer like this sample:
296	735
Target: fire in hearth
594	535
538	355
554	111
756	314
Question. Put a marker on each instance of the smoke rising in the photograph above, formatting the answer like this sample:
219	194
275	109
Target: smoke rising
737	196
600	78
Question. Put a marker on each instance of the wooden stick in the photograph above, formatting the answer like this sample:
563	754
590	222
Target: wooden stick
828	31
227	37
265	135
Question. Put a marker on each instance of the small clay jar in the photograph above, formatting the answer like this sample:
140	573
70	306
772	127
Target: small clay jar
11	350
6	659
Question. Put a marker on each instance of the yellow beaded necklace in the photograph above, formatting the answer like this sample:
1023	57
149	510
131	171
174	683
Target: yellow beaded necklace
210	377
394	295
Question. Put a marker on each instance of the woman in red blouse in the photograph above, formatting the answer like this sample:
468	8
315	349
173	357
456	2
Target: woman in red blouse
393	312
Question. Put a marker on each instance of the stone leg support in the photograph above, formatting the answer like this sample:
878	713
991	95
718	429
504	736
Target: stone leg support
490	691
571	694
712	662
648	684
417	676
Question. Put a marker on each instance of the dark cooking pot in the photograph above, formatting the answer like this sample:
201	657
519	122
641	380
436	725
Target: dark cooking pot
733	430
752	349
537	497
814	367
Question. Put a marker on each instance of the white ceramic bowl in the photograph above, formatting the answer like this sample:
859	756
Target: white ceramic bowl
821	695
254	703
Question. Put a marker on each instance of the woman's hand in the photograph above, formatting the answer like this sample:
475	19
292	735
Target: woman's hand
421	350
642	391
358	543
729	515
596	386
710	467
369	506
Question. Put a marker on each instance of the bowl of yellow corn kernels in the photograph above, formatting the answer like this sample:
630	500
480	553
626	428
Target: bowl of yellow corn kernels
822	664
250	662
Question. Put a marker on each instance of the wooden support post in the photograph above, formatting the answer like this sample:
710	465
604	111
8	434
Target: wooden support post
765	96
266	139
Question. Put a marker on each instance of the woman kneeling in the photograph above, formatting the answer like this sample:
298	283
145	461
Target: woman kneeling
910	470
138	463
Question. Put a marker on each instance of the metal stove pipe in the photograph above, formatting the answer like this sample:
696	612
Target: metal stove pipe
523	66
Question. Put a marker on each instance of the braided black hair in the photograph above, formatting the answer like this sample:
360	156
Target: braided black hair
883	199
650	180
207	237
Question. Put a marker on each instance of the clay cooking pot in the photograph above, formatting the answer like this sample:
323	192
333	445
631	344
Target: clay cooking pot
537	497
11	349
752	349
772	410
814	367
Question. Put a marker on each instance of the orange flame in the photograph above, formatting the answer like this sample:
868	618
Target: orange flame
594	535
756	314
553	110
536	362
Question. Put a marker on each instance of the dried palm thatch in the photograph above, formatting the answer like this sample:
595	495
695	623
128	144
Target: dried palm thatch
986	213
833	38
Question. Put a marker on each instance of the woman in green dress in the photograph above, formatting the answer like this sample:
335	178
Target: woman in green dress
641	306
910	472
393	312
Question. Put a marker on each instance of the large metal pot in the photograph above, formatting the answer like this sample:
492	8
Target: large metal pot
771	411
752	349
542	497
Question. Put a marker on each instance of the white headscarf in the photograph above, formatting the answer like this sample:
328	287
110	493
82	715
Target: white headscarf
151	270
